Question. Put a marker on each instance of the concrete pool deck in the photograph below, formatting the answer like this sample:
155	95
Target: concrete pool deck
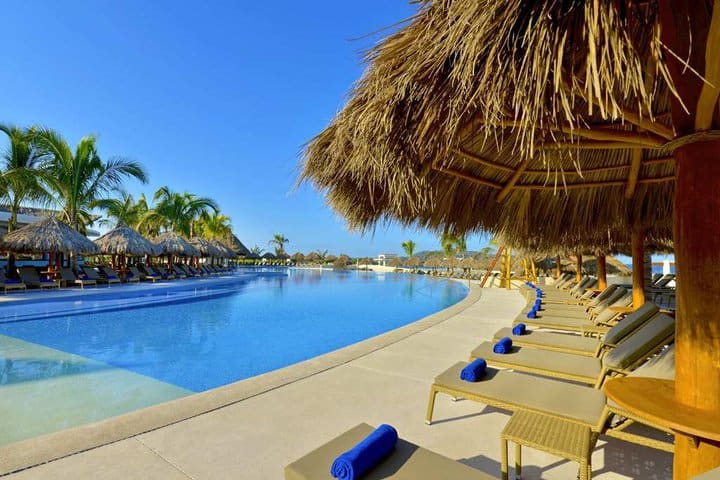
252	429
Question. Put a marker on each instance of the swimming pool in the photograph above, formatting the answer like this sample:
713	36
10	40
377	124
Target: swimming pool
116	351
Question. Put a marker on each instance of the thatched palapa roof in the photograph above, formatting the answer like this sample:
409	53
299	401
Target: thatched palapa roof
125	241
205	247
237	246
520	118
46	236
170	243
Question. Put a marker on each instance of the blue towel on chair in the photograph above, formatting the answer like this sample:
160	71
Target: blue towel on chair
365	455
474	370
539	294
538	303
519	329
532	313
12	281
503	345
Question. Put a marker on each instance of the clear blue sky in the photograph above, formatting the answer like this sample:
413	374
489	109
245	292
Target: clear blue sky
214	98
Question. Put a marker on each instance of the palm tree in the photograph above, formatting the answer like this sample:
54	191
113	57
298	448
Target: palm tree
409	247
123	211
178	212
215	226
279	240
80	178
257	250
22	170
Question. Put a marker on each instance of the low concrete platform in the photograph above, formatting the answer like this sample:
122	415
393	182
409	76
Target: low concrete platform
284	414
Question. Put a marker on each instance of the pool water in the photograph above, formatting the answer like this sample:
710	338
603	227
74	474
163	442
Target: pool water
172	345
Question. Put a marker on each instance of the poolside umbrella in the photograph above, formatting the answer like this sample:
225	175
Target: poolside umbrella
541	118
124	241
49	235
205	247
225	251
172	244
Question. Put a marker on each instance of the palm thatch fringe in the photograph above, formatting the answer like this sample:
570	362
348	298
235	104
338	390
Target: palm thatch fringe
170	243
125	241
49	235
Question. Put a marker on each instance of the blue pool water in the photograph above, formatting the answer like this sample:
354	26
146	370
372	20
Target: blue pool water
204	338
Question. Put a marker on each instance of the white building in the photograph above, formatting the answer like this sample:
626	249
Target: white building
383	258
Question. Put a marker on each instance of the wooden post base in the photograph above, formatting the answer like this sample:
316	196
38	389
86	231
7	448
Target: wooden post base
697	262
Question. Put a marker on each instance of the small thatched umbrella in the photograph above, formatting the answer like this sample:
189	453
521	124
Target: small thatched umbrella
225	251
51	236
205	247
124	241
172	244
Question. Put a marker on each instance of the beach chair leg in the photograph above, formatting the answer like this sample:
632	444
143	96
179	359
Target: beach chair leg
504	458
518	461
431	405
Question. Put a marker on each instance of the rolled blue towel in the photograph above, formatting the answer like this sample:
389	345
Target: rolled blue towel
519	329
503	345
474	370
538	303
532	313
539	294
365	455
12	280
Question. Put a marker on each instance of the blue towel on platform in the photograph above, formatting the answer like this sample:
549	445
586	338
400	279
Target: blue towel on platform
474	370
365	455
519	329
503	345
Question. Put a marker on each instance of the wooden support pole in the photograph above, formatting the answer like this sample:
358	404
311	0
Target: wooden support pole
638	268
558	269
632	182
697	265
601	270
691	26
578	266
533	269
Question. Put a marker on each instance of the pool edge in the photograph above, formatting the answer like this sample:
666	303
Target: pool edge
54	446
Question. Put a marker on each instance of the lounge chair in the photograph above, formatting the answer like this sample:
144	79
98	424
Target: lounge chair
632	351
514	391
406	462
30	277
11	283
184	270
160	270
69	277
577	344
93	274
111	273
143	275
593	307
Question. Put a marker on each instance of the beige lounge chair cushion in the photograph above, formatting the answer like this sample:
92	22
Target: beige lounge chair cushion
631	322
537	338
407	462
660	366
640	343
566	365
517	391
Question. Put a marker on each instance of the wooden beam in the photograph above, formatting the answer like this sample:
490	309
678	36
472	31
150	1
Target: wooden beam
480	160
632	180
608	183
593	145
513	180
647	139
708	101
632	117
470	178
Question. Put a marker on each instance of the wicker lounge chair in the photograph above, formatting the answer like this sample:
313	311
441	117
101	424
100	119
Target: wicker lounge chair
10	283
515	391
406	462
644	342
581	345
593	307
30	277
93	274
166	275
607	316
69	277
